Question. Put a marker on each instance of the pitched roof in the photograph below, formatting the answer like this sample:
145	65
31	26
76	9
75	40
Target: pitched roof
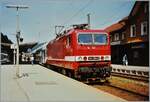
5	39
114	27
121	23
25	46
39	46
135	8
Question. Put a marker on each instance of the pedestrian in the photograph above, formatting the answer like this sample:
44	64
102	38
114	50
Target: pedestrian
32	59
125	60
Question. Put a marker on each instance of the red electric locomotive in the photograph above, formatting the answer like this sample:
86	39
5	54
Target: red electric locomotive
81	53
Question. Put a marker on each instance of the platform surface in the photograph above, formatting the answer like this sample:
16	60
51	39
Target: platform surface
40	84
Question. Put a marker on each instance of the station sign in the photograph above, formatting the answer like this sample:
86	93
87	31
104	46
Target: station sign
13	46
116	43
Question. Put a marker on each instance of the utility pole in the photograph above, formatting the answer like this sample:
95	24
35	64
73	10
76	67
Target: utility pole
13	46
14	56
88	20
17	7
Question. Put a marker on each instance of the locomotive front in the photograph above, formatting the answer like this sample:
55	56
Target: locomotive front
93	55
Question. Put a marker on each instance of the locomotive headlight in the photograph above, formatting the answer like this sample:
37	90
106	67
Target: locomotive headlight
107	57
102	58
80	58
85	58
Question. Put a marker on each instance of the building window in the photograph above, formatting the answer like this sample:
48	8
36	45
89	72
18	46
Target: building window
135	54
116	36
144	28
133	31
145	8
123	35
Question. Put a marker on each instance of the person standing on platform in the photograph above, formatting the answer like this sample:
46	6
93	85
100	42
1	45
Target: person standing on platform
125	60
32	59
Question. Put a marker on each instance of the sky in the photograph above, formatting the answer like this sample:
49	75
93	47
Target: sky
37	23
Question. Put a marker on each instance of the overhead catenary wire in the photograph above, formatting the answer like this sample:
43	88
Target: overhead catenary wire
114	14
74	15
110	19
80	10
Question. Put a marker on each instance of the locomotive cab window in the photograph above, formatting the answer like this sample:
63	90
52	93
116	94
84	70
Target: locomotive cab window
100	39
85	38
96	39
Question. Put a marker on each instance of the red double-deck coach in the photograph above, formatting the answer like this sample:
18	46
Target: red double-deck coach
81	53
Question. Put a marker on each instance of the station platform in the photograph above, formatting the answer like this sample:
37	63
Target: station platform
39	84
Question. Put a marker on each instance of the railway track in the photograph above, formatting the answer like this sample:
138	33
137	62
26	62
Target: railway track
129	89
126	90
123	93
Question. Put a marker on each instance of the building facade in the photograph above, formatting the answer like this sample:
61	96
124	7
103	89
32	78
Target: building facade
6	52
130	36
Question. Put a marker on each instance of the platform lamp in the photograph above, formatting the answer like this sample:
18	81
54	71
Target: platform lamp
17	7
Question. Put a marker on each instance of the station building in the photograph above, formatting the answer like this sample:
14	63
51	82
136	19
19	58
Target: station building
25	52
130	36
6	53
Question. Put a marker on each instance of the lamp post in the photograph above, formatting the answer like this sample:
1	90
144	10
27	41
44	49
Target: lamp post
17	7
